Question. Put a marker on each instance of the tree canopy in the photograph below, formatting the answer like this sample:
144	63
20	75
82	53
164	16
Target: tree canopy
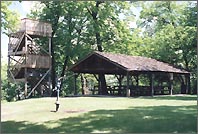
9	18
166	30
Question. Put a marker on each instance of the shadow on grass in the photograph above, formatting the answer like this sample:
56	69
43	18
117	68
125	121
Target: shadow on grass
158	97
182	97
158	119
170	97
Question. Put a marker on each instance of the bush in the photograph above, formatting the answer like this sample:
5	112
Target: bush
8	91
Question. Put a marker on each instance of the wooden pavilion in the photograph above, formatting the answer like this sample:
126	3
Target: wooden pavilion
125	66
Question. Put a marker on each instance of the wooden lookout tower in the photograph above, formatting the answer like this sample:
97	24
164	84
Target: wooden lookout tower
29	58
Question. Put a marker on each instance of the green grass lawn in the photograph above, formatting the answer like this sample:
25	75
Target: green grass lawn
159	114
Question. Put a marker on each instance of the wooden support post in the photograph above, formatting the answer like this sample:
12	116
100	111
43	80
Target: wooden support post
38	83
183	87
120	84
82	84
50	46
152	84
75	86
188	84
127	89
171	84
26	55
137	80
8	67
119	78
81	78
97	78
26	84
50	81
49	78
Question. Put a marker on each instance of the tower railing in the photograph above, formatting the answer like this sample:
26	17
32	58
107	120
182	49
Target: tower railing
38	27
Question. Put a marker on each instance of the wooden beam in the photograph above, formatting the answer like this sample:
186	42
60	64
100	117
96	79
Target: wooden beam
19	42
50	72
26	53
127	89
38	83
50	46
99	83
14	59
171	83
119	78
188	84
50	80
16	53
26	83
96	77
75	86
28	36
152	84
137	80
82	84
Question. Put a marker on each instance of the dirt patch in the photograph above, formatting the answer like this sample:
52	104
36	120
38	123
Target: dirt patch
75	111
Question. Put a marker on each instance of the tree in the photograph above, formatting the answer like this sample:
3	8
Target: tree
173	38
9	23
9	18
78	27
155	15
68	22
105	24
94	13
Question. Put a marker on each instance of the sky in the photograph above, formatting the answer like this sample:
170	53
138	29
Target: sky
23	8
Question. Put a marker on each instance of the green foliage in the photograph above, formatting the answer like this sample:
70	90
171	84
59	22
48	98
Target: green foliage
173	35
167	32
174	45
9	23
9	18
3	81
8	91
156	15
74	29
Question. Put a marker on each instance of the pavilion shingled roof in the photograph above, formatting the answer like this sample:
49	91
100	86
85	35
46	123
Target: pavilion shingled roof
136	63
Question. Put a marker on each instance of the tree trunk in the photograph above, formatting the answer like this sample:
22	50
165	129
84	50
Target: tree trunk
63	70
94	13
102	79
103	85
101	76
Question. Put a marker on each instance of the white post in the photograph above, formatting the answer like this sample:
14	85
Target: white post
152	85
58	90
